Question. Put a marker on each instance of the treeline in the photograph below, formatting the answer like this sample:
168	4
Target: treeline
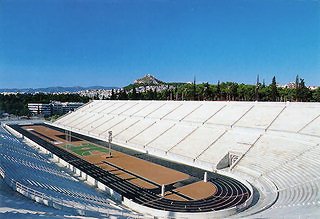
229	91
17	104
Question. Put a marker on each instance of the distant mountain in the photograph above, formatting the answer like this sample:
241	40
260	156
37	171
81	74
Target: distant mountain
148	80
55	89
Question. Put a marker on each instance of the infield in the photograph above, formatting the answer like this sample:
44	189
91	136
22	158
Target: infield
139	172
85	149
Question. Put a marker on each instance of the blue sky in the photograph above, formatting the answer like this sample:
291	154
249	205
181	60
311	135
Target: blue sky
113	42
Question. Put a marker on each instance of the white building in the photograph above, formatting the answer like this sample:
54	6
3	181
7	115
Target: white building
40	108
53	107
64	107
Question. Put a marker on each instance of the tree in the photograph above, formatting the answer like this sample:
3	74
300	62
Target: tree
218	92
18	103
274	89
297	89
123	95
316	95
257	89
287	94
207	92
233	91
304	91
155	94
264	93
194	88
113	96
133	95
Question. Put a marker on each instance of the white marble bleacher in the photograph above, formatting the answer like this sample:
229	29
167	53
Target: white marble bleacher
33	170
99	105
153	106
122	126
136	108
110	107
90	117
171	138
85	116
312	128
230	114
204	112
295	136
303	168
182	111
150	130
67	117
233	140
134	130
297	116
292	164
292	212
299	201
68	121
107	125
97	121
196	143
126	106
164	110
88	105
62	118
271	151
261	115
86	125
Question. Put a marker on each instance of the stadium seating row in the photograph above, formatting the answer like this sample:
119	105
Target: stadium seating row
26	167
273	116
177	126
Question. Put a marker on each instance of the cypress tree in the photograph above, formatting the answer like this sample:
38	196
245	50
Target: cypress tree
218	91
257	89
274	89
297	89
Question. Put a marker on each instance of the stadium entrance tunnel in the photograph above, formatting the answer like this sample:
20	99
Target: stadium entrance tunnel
229	160
231	194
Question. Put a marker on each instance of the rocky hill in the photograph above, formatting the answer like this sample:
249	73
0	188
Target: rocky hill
148	80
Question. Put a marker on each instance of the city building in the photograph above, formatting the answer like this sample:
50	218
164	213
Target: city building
40	109
52	108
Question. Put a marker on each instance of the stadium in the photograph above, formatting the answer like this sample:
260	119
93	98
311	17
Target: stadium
170	159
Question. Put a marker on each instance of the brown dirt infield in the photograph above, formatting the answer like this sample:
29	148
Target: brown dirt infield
198	190
137	171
